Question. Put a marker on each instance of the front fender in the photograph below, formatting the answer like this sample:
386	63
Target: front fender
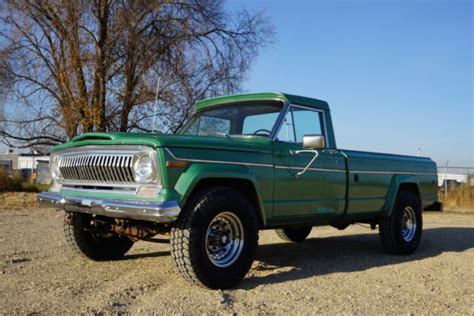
196	172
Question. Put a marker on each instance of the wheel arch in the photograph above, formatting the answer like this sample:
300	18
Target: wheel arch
407	183
240	178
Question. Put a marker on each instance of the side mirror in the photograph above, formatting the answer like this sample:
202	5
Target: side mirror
313	142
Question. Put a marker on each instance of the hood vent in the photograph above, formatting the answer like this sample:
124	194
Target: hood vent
91	136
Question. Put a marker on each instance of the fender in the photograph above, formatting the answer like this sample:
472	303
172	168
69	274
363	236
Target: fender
395	183
199	171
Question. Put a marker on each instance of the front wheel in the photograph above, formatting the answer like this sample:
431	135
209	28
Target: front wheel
84	240
215	239
400	233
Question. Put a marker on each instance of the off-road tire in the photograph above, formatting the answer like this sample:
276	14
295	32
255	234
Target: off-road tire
391	228
91	246
188	237
294	233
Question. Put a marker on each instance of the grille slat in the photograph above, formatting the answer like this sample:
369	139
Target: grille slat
91	168
121	171
94	168
109	168
81	168
129	169
74	163
114	167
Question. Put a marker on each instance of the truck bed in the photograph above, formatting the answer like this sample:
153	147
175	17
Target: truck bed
371	177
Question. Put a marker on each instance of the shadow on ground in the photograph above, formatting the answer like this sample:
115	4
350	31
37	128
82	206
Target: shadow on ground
320	256
146	255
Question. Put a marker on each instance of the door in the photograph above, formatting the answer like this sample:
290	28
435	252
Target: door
320	191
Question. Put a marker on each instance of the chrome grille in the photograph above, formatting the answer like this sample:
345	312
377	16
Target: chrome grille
90	168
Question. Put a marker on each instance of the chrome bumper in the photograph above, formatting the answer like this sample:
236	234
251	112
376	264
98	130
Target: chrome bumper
161	212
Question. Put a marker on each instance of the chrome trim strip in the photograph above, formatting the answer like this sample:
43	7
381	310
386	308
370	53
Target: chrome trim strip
312	169
290	167
132	191
393	172
247	163
219	161
160	212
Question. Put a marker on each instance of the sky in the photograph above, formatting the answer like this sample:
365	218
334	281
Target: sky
398	75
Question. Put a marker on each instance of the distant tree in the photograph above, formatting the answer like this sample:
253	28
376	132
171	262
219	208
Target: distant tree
5	81
98	65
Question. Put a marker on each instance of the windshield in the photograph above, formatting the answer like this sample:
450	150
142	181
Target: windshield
251	119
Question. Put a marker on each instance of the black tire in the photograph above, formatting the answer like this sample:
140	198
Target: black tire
93	246
399	238
192	238
294	233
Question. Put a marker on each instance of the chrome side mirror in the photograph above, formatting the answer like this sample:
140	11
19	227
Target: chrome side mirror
313	142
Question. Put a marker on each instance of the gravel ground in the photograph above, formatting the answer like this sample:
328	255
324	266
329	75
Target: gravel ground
333	272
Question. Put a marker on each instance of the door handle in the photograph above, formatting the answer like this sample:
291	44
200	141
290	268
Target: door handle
297	152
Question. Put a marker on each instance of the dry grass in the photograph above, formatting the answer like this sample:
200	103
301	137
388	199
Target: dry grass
17	200
460	200
16	193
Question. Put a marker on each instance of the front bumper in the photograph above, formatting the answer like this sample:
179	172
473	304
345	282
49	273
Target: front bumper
161	212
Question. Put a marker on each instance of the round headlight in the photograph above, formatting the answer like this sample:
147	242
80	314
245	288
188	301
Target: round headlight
54	168
143	168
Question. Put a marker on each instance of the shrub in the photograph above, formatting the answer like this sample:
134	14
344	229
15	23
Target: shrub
10	183
14	183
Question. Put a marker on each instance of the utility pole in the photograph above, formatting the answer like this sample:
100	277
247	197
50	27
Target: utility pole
446	180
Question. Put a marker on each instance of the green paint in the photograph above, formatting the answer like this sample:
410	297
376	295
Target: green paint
348	185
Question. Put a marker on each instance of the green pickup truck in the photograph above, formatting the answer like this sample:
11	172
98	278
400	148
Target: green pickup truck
240	164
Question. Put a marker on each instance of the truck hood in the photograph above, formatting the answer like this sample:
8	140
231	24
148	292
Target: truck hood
252	144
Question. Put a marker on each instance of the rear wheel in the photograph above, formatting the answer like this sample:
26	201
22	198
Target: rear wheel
294	233
83	240
215	239
400	233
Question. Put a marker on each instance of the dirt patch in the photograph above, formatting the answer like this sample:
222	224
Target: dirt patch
334	272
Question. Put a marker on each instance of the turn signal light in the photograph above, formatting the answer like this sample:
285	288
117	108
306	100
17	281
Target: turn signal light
176	164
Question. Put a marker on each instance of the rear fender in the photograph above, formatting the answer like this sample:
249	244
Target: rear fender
397	182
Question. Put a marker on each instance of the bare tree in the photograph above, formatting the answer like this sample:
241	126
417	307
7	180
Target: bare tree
82	66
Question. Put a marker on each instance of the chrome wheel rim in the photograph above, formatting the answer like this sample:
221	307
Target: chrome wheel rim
408	223
224	239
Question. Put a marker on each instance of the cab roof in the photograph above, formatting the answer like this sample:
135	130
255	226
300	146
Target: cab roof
264	96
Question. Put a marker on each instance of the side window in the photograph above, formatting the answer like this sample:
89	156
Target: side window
307	122
299	122
287	131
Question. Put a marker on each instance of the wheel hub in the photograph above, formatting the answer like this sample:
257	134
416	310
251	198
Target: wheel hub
224	239
408	223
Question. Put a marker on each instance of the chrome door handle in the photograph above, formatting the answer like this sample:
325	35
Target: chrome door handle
331	151
297	152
